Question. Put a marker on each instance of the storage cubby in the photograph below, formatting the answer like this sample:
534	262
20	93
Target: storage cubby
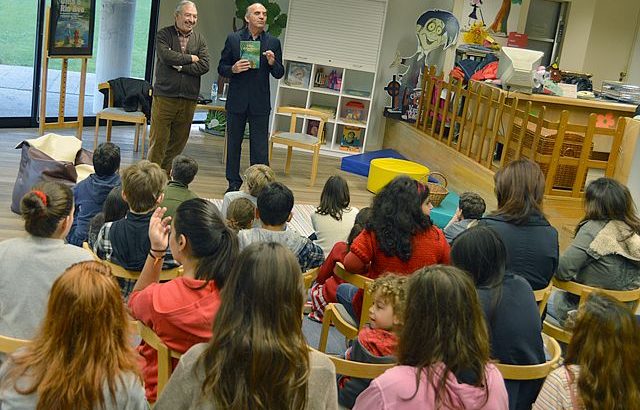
358	84
348	100
354	111
292	97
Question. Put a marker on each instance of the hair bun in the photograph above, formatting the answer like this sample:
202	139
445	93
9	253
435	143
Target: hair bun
33	204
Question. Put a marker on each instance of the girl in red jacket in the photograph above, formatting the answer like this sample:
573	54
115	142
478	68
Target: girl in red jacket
399	238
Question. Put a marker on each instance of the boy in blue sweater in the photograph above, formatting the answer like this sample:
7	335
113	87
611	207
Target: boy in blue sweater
89	194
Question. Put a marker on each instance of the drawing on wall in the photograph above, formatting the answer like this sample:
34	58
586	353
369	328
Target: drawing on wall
501	16
434	29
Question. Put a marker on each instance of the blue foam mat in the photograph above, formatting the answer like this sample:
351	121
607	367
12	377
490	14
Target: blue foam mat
359	164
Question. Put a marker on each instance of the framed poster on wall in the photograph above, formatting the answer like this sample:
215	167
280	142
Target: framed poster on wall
71	27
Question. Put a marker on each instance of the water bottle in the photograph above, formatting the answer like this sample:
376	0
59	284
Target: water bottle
214	91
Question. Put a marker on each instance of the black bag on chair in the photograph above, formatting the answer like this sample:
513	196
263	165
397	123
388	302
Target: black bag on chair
36	166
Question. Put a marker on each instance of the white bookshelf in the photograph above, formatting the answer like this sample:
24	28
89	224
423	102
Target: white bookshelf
353	55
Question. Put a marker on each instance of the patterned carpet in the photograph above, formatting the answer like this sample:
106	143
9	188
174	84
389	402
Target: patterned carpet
301	220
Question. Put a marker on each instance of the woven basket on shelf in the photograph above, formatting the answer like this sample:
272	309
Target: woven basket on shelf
437	192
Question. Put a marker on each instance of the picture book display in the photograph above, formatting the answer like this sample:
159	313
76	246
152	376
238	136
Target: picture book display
313	126
351	139
250	50
298	74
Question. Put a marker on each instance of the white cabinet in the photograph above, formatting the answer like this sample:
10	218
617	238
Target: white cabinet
330	52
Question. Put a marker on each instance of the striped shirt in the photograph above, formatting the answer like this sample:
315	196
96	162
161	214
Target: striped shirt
557	390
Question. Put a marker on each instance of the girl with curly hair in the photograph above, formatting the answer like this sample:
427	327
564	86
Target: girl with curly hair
399	237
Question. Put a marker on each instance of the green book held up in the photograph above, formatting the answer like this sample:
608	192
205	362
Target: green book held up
250	50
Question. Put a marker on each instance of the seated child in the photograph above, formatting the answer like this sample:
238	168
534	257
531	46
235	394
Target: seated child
274	211
126	242
183	170
470	209
333	218
324	289
114	209
89	194
256	177
241	214
377	342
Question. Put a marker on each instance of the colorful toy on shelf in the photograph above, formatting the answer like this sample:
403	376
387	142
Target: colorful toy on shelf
354	111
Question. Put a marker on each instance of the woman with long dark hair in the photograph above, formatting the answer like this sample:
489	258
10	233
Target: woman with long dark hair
182	310
81	358
443	351
602	366
257	357
509	308
605	252
531	241
399	237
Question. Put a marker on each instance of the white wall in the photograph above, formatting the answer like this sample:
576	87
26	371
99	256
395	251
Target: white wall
634	61
399	34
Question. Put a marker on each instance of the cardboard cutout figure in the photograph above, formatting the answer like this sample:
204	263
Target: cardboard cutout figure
434	29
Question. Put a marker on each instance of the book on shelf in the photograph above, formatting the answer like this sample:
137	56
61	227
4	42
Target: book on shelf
250	50
298	74
351	139
313	126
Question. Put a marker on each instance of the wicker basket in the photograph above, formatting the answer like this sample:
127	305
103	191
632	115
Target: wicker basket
437	192
571	147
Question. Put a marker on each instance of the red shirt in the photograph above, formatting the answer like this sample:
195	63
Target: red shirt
428	247
325	274
180	312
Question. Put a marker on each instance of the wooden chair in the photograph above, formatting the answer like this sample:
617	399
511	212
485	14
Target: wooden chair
164	354
542	297
10	344
335	314
293	139
534	371
357	369
120	272
112	113
564	335
309	276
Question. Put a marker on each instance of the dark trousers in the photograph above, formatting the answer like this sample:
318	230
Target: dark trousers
258	138
171	120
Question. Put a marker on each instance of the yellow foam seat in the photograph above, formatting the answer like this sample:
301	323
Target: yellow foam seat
383	170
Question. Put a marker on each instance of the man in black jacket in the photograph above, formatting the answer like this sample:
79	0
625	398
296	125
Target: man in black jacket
249	97
182	58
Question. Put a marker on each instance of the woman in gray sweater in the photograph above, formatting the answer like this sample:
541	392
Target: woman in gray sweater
30	264
605	252
258	357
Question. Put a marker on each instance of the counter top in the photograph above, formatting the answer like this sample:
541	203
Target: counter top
576	102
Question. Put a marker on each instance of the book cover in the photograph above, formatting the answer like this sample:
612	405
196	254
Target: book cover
298	74
351	139
313	127
250	50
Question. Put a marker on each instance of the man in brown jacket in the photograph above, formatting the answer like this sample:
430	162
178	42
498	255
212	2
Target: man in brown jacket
182	57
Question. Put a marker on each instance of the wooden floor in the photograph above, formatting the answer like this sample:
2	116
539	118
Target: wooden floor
209	183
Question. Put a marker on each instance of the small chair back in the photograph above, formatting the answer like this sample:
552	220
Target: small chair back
9	345
357	369
164	354
309	276
582	291
120	272
542	297
361	282
534	371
